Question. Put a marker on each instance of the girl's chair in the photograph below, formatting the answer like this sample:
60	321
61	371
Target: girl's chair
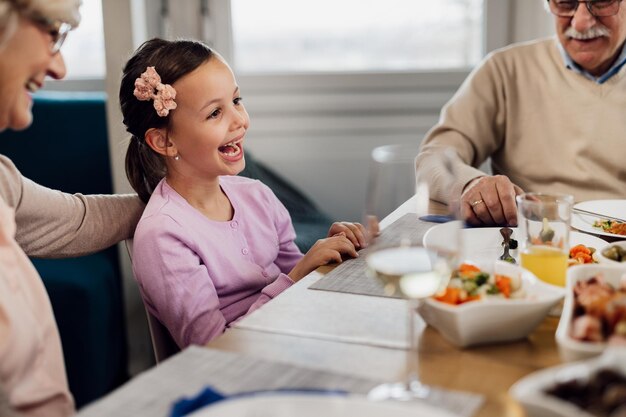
163	344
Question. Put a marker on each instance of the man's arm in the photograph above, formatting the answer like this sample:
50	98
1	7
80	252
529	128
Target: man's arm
473	124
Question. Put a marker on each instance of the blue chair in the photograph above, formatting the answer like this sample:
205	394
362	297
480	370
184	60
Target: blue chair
66	148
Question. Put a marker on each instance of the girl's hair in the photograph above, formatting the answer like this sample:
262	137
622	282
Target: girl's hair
172	60
11	10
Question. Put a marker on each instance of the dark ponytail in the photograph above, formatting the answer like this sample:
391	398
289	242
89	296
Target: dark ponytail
144	168
172	61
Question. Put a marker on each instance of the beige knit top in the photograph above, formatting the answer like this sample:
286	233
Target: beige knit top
544	126
44	223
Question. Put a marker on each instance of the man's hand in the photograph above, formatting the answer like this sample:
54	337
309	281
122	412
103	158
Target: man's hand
490	200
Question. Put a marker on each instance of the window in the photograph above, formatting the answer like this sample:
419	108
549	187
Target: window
84	48
356	35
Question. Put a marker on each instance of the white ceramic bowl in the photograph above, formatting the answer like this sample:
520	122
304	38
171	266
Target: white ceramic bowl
603	259
569	348
493	320
530	390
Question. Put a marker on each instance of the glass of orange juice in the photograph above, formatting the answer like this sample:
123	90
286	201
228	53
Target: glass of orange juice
544	225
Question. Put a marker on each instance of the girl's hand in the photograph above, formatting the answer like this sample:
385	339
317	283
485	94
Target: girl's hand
355	232
323	252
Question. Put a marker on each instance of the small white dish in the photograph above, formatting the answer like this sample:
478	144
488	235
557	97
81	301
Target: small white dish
494	319
571	349
530	390
603	259
312	405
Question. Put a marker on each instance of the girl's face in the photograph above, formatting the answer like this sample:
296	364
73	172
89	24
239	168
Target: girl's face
25	61
208	126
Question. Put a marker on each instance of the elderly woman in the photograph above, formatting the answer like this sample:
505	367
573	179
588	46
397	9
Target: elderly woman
35	220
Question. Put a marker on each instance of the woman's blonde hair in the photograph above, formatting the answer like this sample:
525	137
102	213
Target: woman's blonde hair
11	10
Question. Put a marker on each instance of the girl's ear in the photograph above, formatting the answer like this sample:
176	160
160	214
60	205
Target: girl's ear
158	141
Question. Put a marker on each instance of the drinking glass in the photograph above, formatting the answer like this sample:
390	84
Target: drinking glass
544	224
402	264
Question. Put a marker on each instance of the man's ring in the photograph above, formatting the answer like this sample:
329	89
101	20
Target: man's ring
477	202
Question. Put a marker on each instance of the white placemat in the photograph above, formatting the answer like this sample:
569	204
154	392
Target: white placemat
327	315
152	393
350	276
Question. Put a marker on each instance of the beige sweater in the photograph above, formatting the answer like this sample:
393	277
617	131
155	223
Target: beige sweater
545	127
52	224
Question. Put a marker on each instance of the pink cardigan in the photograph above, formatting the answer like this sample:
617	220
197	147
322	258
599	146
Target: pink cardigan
198	275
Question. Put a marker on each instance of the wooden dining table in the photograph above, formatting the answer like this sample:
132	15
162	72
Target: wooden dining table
488	370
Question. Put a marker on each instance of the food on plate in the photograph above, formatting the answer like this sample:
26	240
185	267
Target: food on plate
602	395
581	254
615	253
470	283
599	313
611	226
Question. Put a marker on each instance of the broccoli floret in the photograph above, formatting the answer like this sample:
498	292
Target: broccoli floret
481	278
493	290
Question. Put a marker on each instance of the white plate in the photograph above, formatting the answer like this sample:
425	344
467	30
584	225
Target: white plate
529	391
584	222
482	244
311	405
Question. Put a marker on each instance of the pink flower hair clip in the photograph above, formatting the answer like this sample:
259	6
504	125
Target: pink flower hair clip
149	87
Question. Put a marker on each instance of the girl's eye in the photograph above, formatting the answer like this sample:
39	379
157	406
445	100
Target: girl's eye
237	101
215	114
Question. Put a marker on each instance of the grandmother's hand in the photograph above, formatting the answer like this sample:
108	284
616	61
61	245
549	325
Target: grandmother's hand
490	200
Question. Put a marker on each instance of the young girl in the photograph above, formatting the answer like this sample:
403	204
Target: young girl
210	246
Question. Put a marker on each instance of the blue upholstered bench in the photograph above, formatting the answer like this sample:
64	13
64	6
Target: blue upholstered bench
66	148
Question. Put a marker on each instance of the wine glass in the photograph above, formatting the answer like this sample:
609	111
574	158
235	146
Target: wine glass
403	265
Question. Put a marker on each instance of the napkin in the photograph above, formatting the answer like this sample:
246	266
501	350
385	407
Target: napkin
209	395
437	218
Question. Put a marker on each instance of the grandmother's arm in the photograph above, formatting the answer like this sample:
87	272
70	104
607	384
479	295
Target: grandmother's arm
53	224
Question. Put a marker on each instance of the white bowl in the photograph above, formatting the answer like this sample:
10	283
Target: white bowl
530	390
571	349
603	259
495	319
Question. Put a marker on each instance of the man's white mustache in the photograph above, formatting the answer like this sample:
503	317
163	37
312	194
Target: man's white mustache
594	32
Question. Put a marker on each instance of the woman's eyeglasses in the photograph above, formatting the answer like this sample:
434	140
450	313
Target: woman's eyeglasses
57	29
597	8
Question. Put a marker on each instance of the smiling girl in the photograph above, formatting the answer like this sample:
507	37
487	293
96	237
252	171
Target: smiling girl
211	246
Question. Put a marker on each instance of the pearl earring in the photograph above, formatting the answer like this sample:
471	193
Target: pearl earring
177	157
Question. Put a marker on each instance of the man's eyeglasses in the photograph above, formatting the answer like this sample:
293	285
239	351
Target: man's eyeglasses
57	29
597	8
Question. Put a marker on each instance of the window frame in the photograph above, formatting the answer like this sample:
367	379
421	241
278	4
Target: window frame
496	34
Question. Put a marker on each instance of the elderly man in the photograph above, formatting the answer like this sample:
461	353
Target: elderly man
550	113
